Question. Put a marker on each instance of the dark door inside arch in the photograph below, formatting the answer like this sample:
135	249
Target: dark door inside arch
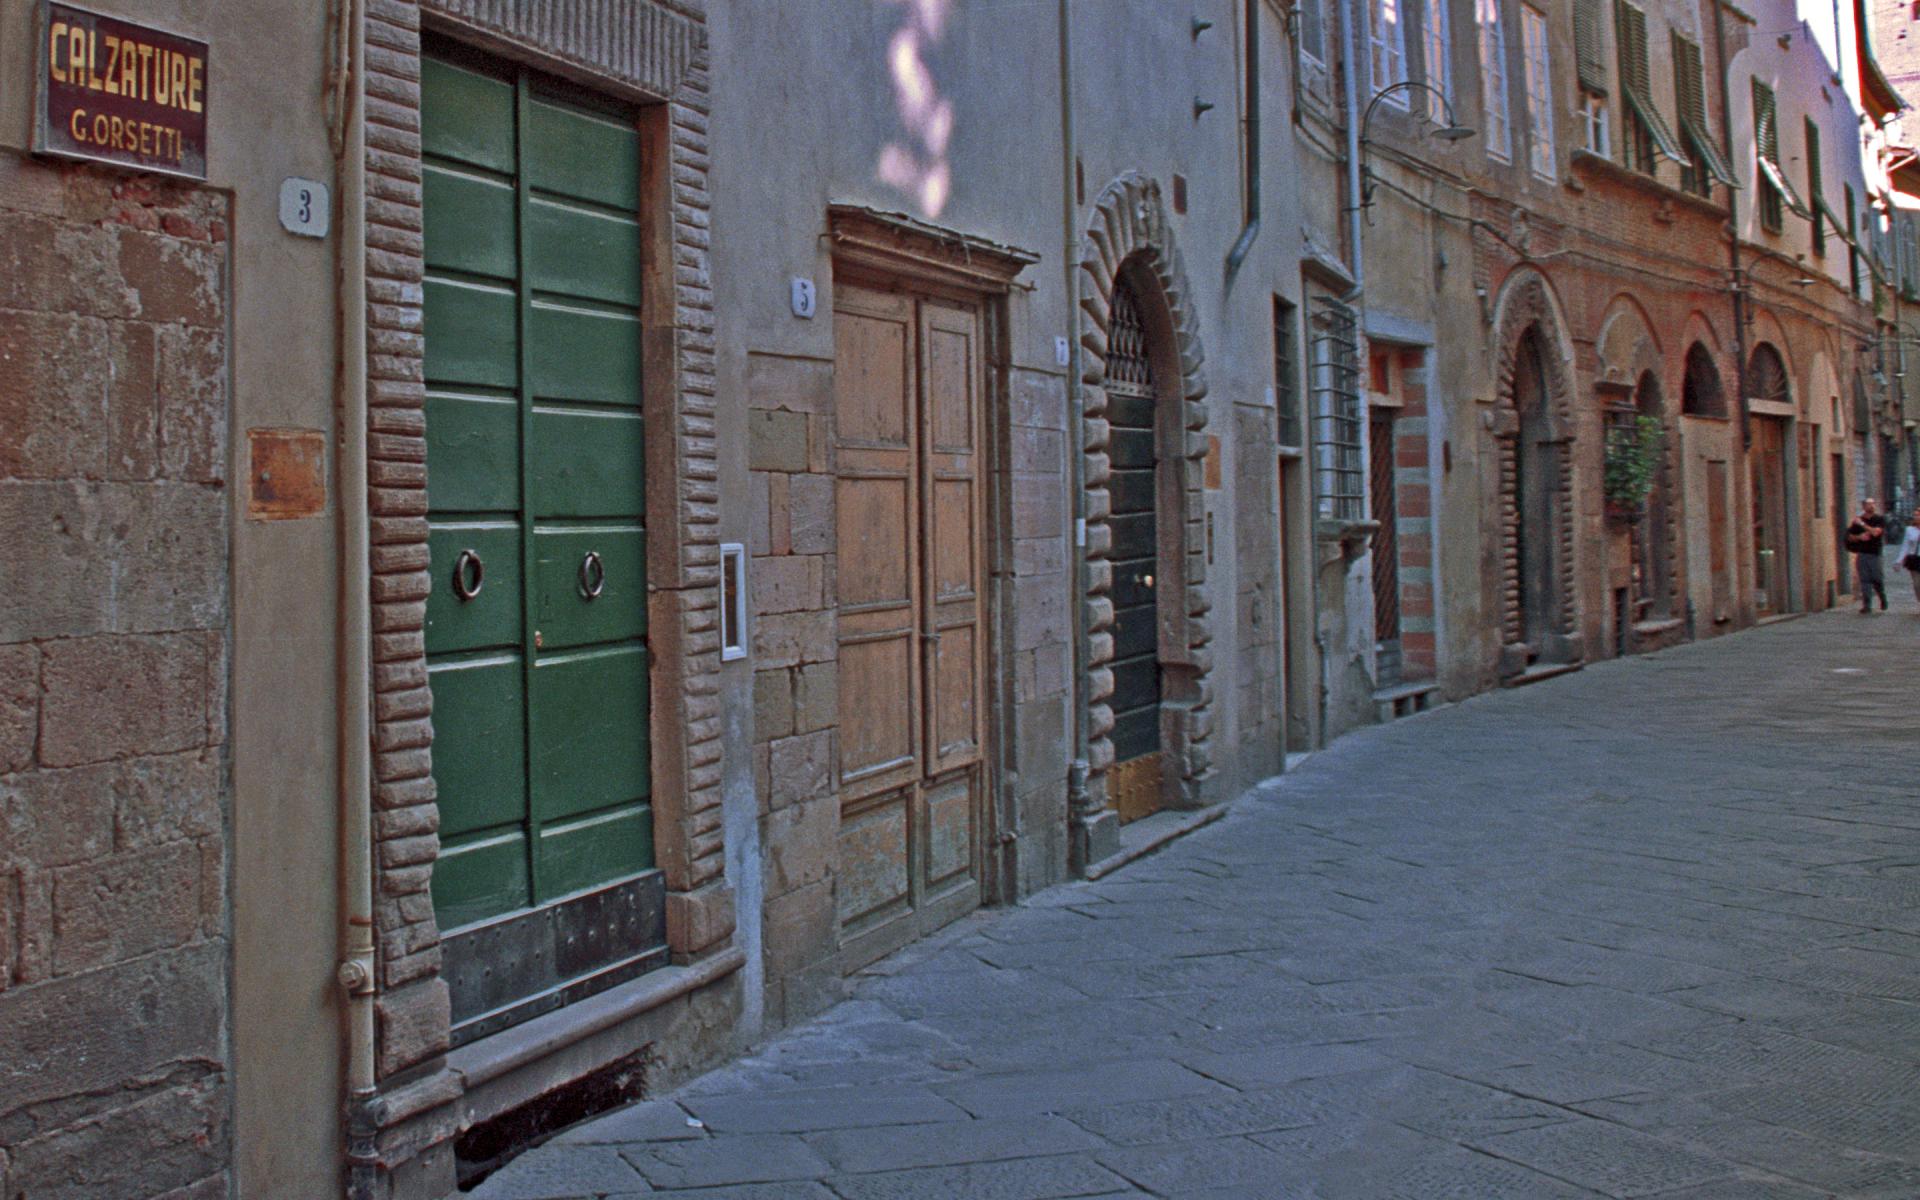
1537	475
1135	781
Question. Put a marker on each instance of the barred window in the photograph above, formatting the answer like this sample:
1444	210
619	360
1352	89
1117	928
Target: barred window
1286	366
1339	468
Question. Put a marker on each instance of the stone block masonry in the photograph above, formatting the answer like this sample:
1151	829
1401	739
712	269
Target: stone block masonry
113	665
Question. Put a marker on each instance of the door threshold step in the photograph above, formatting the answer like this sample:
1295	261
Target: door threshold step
1141	838
1405	699
1536	674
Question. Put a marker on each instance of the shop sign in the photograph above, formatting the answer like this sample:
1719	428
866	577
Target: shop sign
117	92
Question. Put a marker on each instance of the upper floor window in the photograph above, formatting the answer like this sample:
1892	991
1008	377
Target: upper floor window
1339	418
1387	48
1644	136
1533	40
1313	30
1853	244
1498	134
1438	56
1590	67
1775	194
1815	196
1706	163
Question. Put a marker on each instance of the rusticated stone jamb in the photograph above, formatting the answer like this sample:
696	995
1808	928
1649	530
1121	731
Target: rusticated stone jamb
1128	228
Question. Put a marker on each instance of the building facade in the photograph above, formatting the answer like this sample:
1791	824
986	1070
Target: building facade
551	544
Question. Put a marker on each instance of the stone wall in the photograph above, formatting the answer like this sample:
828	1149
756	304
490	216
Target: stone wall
113	685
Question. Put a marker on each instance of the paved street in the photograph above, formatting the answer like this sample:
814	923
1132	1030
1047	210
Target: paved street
1651	929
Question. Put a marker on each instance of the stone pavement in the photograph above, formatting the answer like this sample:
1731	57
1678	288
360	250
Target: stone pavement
1650	929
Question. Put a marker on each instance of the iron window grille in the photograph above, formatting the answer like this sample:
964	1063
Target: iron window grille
1339	420
1286	364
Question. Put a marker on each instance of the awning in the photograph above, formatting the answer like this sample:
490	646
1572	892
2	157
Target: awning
1774	176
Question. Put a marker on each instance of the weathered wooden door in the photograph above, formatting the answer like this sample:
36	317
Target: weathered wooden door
1135	782
1769	467
537	622
1719	558
1537	482
910	509
1386	546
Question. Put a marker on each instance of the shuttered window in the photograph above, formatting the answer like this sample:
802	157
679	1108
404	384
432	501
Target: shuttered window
1690	101
1814	190
1853	245
1498	134
1533	40
1776	194
1647	137
1589	55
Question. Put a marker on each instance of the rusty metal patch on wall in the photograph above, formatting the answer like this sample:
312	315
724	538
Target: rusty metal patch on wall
286	474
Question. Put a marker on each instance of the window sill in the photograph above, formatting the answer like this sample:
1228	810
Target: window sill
1585	162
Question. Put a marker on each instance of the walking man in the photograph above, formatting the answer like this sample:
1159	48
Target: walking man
1910	551
1866	537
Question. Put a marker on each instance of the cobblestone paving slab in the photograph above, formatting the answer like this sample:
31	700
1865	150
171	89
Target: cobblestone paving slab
1647	930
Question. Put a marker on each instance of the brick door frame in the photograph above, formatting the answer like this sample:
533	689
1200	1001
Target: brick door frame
1129	233
652	53
1527	307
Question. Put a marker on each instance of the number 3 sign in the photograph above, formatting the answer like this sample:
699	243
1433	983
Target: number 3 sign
304	207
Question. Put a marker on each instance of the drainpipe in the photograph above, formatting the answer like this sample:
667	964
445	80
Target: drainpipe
1350	72
1733	238
1243	247
354	686
1077	450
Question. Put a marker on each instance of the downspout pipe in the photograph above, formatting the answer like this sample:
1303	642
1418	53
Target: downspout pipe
355	683
1733	237
1076	450
1237	256
1350	78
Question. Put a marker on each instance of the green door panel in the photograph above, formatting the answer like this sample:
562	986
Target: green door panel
584	354
590	736
563	613
587	463
492	617
473	223
480	878
581	252
466	116
473	453
479	746
588	852
471	334
583	155
535	458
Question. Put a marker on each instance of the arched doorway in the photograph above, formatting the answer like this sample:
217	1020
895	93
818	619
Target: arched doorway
1142	392
1653	535
1770	397
1536	470
1138	537
1701	395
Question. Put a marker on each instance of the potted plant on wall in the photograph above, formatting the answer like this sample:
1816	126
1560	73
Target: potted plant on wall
1632	460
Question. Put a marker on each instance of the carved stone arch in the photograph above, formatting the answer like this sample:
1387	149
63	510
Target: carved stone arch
1128	237
1527	307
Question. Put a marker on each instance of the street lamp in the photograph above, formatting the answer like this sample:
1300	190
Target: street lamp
1452	131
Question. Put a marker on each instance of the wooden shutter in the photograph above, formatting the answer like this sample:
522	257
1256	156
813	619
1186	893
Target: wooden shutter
1588	54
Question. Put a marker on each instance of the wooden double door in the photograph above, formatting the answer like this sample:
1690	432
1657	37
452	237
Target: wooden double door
911	622
1769	466
536	632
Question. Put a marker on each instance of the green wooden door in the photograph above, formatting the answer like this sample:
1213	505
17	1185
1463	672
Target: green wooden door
536	626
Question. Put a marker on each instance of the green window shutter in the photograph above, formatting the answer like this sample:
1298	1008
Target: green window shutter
1813	188
1689	81
1635	81
1587	51
1766	139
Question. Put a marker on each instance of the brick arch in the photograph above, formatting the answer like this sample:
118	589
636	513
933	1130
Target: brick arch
1528	307
1128	235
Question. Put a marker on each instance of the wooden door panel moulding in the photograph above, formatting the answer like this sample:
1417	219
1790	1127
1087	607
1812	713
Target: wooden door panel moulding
1129	230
